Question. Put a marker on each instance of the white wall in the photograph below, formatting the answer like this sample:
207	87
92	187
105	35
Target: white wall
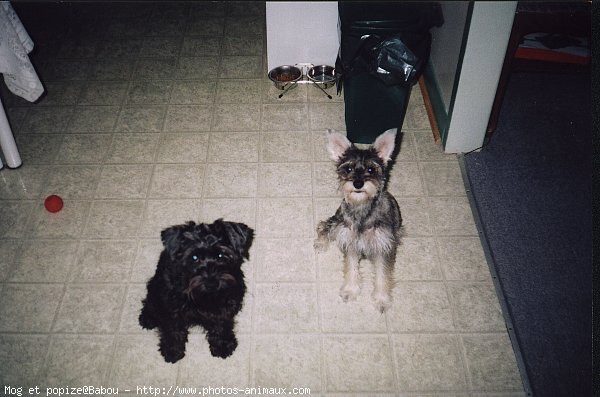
302	32
491	24
445	47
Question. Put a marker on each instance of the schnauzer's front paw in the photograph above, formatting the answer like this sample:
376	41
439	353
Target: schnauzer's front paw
349	291
321	244
382	301
223	348
171	354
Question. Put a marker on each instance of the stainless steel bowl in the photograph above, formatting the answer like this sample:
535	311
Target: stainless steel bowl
281	76
323	75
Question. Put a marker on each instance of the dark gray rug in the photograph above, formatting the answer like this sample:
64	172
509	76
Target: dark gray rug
531	186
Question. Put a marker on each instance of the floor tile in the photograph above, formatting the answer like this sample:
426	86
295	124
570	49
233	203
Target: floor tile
103	93
15	215
443	179
287	308
452	216
188	118
230	373
463	259
77	360
201	92
235	210
286	260
360	316
491	362
68	223
133	148
146	259
138	362
84	149
123	181
285	146
476	307
197	68
160	214
405	180
284	217
285	117
150	91
93	119
29	307
358	364
22	358
288	361
429	363
231	180
233	147
239	117
420	307
72	181
416	259
45	261
285	180
182	148
141	119
90	308
177	181
104	261
113	219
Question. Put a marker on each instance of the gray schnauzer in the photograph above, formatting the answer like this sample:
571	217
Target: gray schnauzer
368	222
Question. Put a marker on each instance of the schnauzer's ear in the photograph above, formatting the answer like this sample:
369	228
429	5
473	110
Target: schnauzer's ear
240	236
337	144
172	237
384	144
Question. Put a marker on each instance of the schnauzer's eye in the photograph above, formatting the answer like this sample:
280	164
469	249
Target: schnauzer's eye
348	169
370	170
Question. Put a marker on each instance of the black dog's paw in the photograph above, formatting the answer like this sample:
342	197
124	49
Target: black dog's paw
146	321
171	354
223	347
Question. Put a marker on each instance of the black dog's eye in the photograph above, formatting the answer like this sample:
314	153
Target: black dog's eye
220	256
195	258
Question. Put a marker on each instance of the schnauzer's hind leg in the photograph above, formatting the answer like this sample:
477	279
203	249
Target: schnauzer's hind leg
351	287
172	344
384	282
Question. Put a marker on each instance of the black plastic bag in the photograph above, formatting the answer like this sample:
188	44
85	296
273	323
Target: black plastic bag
395	63
390	59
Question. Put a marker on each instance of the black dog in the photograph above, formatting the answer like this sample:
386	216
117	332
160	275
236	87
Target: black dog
198	281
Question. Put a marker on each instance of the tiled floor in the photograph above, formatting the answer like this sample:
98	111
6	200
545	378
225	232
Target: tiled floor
162	113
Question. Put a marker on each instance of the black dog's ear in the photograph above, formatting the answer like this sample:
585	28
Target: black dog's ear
240	236
171	237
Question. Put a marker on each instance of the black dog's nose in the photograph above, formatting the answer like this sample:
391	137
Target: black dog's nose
358	183
211	284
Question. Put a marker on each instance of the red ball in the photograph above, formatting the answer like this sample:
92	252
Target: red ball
53	203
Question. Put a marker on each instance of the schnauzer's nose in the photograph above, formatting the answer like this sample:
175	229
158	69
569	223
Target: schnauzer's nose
358	183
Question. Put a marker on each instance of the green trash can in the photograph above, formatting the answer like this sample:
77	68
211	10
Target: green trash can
373	106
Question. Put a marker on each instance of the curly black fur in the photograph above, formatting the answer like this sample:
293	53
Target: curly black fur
198	281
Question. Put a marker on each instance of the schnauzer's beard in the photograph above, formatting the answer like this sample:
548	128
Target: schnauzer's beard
355	196
201	288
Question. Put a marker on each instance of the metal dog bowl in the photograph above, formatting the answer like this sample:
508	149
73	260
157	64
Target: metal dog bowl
281	76
323	75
